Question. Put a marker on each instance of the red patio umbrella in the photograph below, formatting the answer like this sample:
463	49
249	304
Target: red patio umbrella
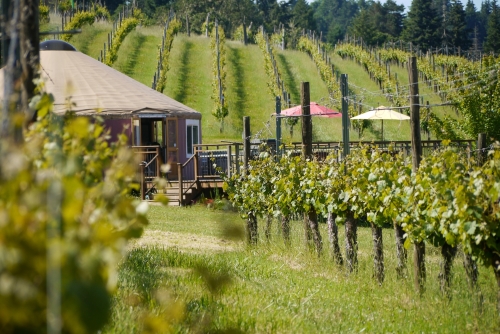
316	110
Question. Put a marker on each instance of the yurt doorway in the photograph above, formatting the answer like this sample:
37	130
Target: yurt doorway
172	146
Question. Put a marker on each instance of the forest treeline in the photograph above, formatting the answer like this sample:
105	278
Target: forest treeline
427	23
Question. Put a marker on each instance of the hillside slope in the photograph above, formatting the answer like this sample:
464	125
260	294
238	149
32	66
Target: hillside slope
189	80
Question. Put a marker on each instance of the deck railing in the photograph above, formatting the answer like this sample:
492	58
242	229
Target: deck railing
149	167
187	177
216	159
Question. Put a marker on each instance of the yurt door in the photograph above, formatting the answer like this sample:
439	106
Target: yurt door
172	147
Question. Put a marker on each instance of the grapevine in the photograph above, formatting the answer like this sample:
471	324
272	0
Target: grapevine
448	202
220	110
78	21
173	28
126	27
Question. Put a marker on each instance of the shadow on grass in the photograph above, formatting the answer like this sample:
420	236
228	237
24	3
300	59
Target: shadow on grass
290	82
181	94
132	57
87	39
239	78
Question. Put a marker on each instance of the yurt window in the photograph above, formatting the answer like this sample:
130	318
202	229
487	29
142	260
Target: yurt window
136	131
192	135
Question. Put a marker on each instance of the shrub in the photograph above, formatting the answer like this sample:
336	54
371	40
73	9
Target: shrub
65	218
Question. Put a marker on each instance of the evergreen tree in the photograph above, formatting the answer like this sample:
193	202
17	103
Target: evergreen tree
333	17
393	19
303	15
471	19
483	15
422	27
377	23
458	32
492	43
363	26
443	10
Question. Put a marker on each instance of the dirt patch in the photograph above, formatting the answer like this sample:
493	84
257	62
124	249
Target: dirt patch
289	262
185	241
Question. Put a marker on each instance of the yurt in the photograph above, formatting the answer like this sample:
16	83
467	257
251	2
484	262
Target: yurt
92	88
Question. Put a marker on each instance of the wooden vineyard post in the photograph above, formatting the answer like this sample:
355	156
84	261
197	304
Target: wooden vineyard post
306	121
481	145
416	147
351	227
469	263
311	227
278	126
244	31
206	24
246	143
345	113
251	229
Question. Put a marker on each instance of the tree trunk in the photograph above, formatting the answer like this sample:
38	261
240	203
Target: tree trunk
269	220
419	266
402	254
496	270
448	252
285	228
378	253
312	219
471	270
252	234
307	232
30	51
334	239
351	242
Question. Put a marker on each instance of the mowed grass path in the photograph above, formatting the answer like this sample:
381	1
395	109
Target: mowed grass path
296	67
374	97
247	91
92	38
138	54
358	77
275	289
189	80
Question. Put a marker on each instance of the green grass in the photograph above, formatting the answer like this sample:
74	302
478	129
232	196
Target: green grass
138	54
247	92
92	38
189	81
358	77
392	130
54	24
296	67
278	289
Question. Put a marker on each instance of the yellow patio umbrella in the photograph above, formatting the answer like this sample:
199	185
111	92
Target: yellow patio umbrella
382	113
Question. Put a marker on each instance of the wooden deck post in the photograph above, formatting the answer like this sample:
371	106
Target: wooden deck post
196	163
143	183
229	161
181	191
158	164
237	154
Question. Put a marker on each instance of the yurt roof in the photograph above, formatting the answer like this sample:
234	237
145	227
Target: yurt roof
95	88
